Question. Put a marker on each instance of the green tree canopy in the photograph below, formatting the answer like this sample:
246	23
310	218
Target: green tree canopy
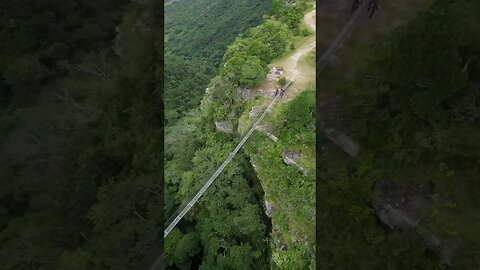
245	70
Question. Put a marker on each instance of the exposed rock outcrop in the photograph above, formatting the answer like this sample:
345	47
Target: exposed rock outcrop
224	126
246	93
342	141
272	137
274	73
269	209
292	158
279	239
254	111
268	129
405	208
399	208
267	93
295	239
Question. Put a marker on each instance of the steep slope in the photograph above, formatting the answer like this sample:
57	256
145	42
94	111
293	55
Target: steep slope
397	87
196	36
227	227
78	156
283	156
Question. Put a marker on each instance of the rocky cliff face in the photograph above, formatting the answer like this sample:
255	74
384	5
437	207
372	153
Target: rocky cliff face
283	174
408	208
224	126
399	208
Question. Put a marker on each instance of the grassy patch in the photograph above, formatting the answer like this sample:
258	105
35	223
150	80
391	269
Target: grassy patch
308	61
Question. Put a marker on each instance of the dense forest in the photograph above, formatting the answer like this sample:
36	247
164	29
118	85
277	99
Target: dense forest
81	140
227	228
80	132
414	108
196	36
290	189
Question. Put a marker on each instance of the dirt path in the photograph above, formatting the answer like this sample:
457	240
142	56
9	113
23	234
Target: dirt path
310	19
303	74
295	65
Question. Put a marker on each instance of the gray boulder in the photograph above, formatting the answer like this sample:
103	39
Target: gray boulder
246	93
398	207
224	126
342	141
254	111
290	157
269	209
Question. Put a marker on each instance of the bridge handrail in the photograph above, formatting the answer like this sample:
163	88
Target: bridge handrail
222	167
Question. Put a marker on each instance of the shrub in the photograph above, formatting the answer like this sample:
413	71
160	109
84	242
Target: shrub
305	32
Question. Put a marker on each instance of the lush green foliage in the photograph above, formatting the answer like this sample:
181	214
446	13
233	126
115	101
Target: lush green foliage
290	189
35	36
80	156
227	222
415	109
298	119
245	69
289	12
185	82
246	59
350	234
227	226
196	35
204	28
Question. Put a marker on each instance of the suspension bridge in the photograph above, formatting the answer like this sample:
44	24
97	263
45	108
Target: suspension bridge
321	64
232	154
